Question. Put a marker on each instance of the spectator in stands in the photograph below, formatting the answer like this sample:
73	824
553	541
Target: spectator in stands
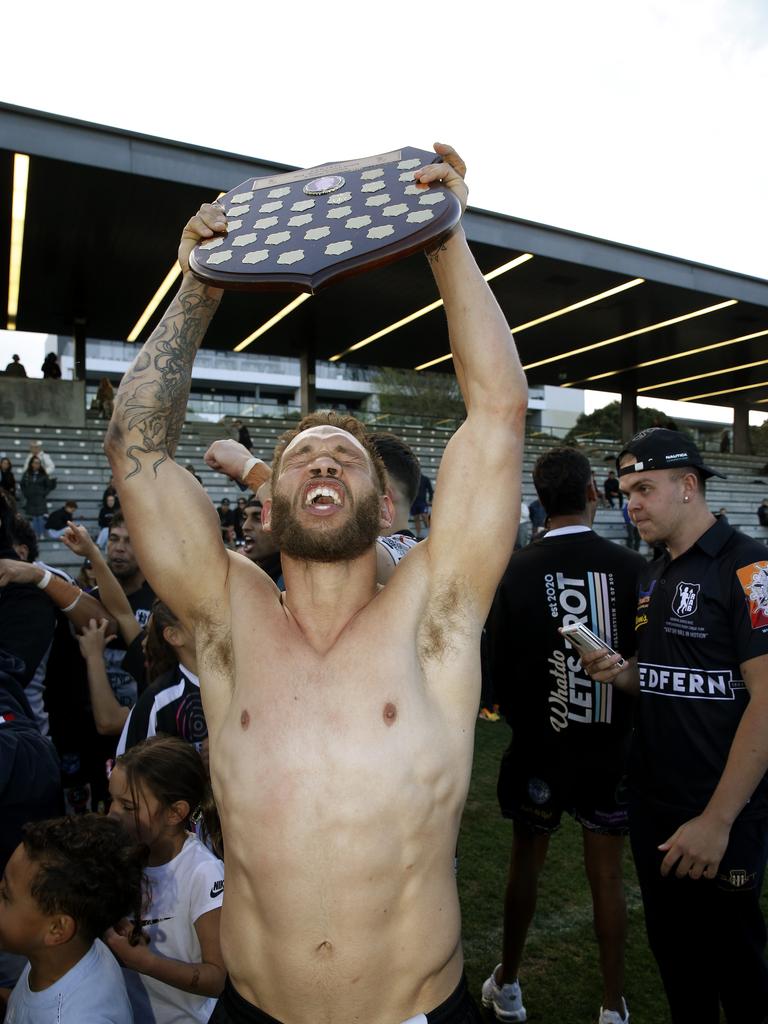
15	368
51	369
612	491
7	479
56	523
226	515
36	485
68	881
171	704
107	513
110	489
404	476
569	742
725	442
421	505
538	516
762	512
104	402
178	970
239	514
36	449
191	469
243	436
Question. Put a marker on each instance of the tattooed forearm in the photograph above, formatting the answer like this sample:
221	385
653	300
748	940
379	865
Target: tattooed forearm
433	255
152	400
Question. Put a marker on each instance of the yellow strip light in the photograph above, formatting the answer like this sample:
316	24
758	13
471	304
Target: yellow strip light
727	391
155	301
666	359
271	323
702	376
18	215
630	334
428	309
551	316
579	305
157	298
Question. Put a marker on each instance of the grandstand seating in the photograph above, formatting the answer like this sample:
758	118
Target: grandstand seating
82	470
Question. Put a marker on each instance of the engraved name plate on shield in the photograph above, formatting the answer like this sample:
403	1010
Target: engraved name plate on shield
304	229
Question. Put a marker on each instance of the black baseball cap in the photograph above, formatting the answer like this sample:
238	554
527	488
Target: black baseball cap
660	448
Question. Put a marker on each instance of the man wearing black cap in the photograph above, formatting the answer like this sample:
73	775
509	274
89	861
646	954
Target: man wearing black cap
699	810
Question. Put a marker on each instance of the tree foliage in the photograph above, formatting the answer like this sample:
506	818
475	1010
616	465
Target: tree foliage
605	423
408	393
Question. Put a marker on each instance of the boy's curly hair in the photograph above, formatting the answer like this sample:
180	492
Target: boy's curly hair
87	867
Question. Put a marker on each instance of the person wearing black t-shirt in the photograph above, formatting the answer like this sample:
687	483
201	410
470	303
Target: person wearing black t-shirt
698	785
570	735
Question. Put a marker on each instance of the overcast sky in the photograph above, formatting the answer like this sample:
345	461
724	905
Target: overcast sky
642	122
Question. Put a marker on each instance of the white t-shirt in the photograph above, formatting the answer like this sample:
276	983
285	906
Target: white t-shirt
180	891
92	992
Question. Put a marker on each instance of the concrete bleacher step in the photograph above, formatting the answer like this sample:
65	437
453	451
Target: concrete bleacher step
82	469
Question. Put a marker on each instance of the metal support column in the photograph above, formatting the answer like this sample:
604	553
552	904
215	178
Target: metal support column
307	387
628	415
79	337
741	445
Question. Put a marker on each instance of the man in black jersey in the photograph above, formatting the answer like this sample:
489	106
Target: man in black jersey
698	786
570	735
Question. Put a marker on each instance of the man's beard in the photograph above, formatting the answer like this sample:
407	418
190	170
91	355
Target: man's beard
339	544
124	571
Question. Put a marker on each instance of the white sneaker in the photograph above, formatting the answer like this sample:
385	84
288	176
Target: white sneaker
506	1000
613	1016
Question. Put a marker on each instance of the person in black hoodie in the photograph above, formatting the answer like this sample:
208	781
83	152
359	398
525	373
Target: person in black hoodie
569	735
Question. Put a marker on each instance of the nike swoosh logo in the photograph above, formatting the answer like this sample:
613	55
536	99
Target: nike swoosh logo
217	889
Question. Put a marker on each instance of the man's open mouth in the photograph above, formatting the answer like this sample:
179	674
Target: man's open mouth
323	496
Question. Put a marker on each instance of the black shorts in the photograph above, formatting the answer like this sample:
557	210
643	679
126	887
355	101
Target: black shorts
534	791
458	1008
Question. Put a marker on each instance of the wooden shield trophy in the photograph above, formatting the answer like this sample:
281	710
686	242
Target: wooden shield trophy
301	230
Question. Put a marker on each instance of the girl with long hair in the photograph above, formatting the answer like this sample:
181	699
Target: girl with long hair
158	788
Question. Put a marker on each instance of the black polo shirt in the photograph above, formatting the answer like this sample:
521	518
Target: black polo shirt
699	617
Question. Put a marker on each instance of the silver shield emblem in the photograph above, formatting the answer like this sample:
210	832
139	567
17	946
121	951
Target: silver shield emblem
686	599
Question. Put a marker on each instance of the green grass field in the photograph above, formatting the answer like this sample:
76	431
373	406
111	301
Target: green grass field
559	975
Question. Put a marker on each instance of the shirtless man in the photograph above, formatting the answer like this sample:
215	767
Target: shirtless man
341	717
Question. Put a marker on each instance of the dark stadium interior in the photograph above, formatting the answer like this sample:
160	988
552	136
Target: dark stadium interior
105	207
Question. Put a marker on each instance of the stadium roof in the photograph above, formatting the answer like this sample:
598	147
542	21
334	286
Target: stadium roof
104	208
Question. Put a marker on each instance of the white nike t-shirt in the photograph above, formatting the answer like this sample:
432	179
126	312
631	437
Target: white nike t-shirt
92	992
181	891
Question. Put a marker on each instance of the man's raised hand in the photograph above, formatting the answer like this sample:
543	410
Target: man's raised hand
228	457
450	171
78	540
209	220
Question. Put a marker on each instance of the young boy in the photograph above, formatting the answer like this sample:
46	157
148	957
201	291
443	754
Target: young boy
67	882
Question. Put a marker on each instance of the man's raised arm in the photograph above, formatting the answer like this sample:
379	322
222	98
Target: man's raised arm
173	525
477	496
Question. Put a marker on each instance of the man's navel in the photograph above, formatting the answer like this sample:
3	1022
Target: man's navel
245	719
